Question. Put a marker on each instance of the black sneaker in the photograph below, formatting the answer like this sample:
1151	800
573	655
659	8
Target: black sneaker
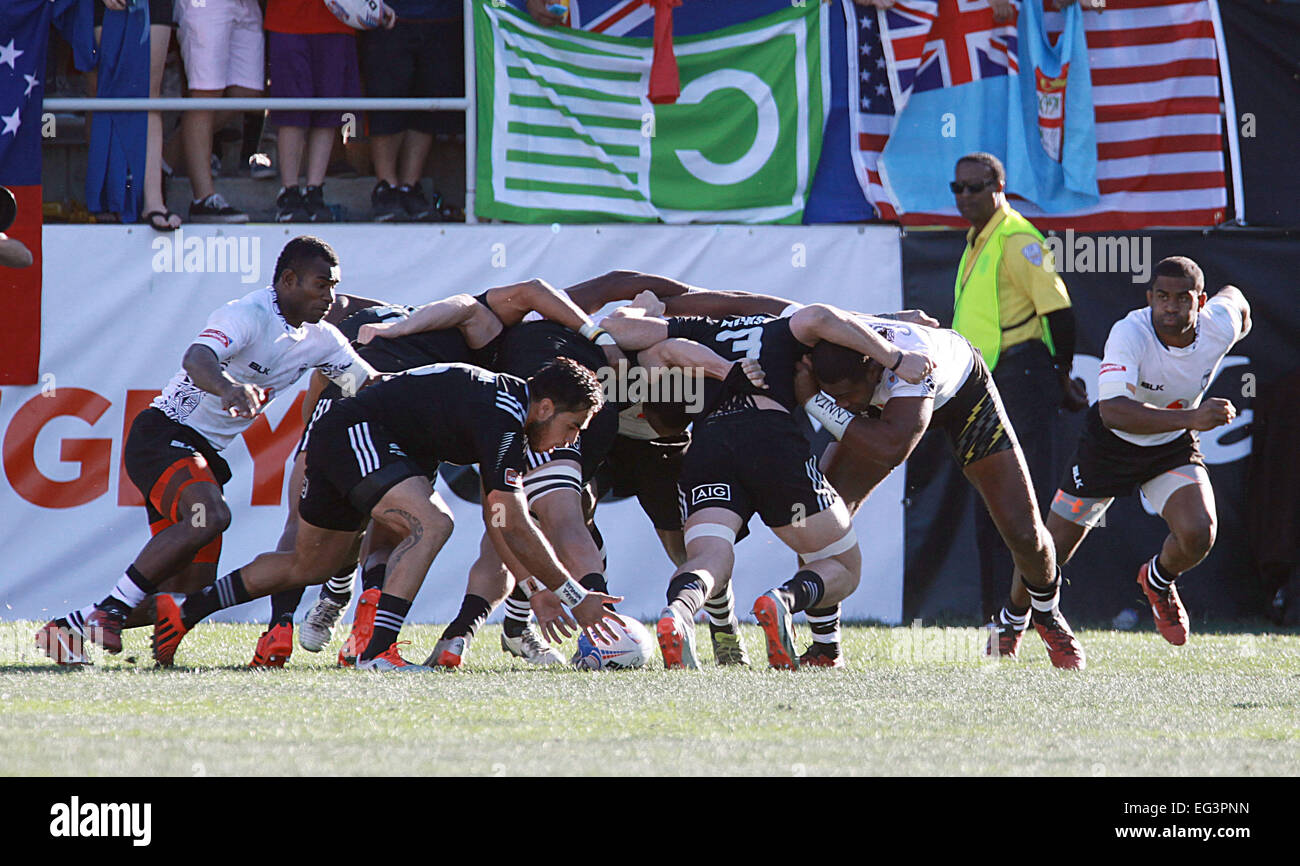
415	205
386	203
290	207
314	199
215	209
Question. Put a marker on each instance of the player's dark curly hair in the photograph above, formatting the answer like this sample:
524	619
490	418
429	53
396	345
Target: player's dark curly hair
1181	267
300	251
989	161
568	384
835	363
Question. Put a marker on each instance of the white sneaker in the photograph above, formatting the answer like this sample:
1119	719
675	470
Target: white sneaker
531	647
389	660
448	653
317	629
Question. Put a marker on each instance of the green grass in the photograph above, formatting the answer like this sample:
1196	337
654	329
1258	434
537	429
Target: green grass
912	702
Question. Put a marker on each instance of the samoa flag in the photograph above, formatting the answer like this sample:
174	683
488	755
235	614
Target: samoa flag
24	40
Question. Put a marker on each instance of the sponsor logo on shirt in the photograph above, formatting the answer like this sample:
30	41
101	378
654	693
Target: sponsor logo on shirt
512	478
711	491
259	368
214	334
1151	387
1113	368
1034	253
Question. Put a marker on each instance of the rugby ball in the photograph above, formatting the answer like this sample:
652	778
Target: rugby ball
358	14
633	648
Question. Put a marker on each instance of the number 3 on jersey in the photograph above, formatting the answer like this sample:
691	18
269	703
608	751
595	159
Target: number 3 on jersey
747	341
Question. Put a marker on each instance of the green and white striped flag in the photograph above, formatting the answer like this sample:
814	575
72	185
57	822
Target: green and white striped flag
566	131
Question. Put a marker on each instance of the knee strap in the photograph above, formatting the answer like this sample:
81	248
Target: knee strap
846	542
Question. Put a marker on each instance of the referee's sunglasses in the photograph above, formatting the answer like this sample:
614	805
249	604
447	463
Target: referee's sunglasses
958	187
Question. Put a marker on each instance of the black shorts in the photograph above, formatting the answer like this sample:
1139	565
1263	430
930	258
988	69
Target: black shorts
415	58
648	470
322	406
351	463
753	461
973	419
1104	465
162	457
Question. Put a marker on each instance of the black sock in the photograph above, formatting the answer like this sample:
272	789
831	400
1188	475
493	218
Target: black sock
389	616
224	592
595	582
803	590
720	608
284	604
686	593
1160	578
517	612
824	623
372	577
473	611
130	591
338	588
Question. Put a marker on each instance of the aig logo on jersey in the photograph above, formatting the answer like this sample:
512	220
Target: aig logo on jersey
711	491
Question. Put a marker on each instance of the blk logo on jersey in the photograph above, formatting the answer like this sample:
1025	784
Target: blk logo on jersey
1151	387
259	368
711	491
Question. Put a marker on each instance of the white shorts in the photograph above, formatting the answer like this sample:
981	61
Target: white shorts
221	43
1086	511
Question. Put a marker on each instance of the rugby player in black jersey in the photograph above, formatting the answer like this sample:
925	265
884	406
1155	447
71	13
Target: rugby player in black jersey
370	457
749	455
392	338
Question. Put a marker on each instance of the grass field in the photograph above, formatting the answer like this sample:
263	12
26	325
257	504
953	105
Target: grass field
914	701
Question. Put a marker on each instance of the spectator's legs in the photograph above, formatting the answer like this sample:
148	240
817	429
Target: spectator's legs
415	150
290	143
196	130
320	141
159	36
384	150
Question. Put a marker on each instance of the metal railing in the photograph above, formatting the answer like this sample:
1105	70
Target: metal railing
464	103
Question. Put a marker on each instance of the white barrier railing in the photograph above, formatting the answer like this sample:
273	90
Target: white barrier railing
239	103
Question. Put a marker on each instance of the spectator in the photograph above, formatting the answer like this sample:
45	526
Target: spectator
1013	306
13	252
423	55
311	54
161	24
221	45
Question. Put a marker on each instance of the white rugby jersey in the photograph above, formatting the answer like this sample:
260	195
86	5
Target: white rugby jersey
953	359
257	346
1139	366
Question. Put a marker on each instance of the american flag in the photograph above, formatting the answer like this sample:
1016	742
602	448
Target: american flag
623	18
873	120
1156	93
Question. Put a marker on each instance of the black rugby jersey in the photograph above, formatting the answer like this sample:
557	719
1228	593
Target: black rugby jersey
766	338
455	413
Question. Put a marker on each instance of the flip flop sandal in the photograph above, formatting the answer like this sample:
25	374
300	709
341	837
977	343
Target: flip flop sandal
160	225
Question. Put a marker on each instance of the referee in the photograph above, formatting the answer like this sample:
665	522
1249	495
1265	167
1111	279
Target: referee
1012	305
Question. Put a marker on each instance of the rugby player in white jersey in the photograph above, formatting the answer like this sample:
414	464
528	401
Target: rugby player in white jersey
251	350
1141	432
878	419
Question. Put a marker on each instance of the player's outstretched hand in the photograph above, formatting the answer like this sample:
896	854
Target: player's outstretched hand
592	615
917	317
369	332
1214	412
805	383
913	366
552	617
243	401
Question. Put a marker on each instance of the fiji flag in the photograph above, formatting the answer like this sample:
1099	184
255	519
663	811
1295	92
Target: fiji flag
965	83
24	37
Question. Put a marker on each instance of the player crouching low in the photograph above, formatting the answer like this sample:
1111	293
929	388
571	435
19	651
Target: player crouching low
371	457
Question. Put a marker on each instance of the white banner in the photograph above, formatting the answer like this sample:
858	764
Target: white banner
121	304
